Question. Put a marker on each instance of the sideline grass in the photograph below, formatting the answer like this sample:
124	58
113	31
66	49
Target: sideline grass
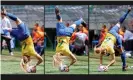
80	67
10	64
115	69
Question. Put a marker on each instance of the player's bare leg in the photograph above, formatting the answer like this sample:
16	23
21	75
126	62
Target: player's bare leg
73	60
24	63
57	60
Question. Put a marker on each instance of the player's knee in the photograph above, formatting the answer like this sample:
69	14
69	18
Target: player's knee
114	61
74	60
41	59
25	59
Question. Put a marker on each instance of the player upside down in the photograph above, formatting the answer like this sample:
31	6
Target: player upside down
23	35
63	36
113	38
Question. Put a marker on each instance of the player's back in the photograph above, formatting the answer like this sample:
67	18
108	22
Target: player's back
21	33
109	42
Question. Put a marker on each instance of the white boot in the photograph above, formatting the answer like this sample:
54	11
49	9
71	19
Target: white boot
11	53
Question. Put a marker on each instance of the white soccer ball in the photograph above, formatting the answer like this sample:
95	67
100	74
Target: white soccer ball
29	69
101	68
62	68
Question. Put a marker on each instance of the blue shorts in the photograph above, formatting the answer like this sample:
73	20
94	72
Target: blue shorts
114	31
62	30
21	33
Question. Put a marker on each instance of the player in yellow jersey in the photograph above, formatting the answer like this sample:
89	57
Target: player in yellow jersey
23	35
113	38
63	37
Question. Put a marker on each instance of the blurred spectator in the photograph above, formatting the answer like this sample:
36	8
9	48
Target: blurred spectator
128	35
12	42
79	42
128	44
38	37
5	35
37	33
103	33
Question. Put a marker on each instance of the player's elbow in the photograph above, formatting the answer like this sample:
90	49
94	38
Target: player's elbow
18	21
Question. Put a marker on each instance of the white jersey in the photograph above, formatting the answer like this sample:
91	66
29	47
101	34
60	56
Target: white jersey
80	39
128	35
5	24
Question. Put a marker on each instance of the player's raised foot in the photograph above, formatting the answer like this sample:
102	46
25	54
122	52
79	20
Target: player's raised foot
129	8
84	23
3	10
57	11
125	68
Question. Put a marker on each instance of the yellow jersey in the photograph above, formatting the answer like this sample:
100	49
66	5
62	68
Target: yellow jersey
63	45
109	43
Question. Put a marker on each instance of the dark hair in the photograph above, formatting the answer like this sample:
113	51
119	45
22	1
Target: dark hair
104	26
84	24
37	24
123	28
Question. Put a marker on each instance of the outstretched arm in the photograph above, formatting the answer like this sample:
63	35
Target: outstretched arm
11	16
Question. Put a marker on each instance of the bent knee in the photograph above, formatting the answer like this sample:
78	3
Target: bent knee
74	60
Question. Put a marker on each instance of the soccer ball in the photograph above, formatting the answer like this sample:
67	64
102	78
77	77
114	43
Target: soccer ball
101	68
62	68
31	69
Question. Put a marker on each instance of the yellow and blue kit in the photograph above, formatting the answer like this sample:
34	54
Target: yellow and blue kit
23	35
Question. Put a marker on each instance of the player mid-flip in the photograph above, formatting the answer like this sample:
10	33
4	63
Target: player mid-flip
113	38
63	36
23	35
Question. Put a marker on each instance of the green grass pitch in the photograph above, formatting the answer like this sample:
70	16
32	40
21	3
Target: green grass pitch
10	64
80	67
114	69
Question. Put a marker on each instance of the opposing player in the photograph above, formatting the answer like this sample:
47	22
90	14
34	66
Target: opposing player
23	35
109	42
63	36
79	42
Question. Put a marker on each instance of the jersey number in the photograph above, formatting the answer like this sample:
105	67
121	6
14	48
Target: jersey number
60	42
